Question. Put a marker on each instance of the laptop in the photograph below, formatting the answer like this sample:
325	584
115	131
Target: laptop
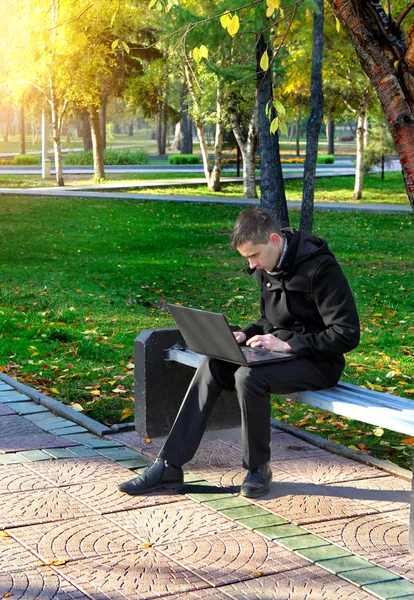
210	334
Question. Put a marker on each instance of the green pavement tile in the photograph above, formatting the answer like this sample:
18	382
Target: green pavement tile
226	503
12	459
47	418
323	553
370	575
60	453
203	491
5	388
299	542
190	478
343	564
262	521
64	430
250	510
280	531
92	441
399	588
10	397
134	465
124	454
35	455
83	451
30	408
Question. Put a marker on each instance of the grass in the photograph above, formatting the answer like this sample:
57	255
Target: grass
81	278
391	190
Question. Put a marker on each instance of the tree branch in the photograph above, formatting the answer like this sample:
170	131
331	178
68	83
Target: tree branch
404	14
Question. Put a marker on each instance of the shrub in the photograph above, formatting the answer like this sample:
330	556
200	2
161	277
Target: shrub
26	159
184	159
346	137
326	159
111	157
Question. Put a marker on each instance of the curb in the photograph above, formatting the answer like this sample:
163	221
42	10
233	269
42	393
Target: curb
383	465
57	407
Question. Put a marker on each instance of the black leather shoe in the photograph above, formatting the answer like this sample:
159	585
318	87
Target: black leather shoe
158	475
257	483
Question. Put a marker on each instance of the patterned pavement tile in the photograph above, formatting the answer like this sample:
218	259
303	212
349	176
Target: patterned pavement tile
285	446
326	468
212	593
6	410
228	557
68	471
74	539
381	538
172	522
215	453
383	493
40	506
104	497
144	573
151	447
13	557
20	479
38	584
233	478
309	583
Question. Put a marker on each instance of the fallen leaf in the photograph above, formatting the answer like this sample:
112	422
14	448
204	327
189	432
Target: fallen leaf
354	448
147	440
55	563
54	391
127	412
95	392
4	534
76	407
378	431
260	573
409	441
147	544
7	595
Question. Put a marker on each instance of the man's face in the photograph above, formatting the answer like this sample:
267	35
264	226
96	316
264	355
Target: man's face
262	256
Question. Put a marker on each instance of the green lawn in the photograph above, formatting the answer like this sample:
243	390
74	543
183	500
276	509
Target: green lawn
81	278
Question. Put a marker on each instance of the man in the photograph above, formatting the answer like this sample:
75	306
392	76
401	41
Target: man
307	309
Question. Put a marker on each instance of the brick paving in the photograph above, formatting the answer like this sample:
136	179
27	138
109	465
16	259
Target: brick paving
329	529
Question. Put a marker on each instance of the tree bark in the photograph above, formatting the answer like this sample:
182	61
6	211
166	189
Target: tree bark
383	55
314	122
86	130
360	150
56	126
98	157
185	123
272	187
330	134
298	134
366	130
247	145
22	129
102	122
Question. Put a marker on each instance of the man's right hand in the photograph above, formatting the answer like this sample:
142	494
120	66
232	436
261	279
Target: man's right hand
240	336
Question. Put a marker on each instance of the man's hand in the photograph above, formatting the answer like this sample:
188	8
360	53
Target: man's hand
270	342
240	336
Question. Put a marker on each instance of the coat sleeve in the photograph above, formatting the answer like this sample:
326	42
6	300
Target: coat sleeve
262	325
336	306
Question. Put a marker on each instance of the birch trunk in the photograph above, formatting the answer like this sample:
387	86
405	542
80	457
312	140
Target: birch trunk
97	146
360	149
389	64
248	146
57	145
22	130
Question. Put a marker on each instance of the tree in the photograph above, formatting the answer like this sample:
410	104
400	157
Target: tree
388	61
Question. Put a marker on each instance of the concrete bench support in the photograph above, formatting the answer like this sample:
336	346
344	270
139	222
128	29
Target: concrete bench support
160	385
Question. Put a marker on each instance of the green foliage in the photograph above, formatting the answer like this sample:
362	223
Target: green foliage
184	159
380	146
325	159
26	159
111	157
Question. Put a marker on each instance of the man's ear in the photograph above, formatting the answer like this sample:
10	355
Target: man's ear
275	239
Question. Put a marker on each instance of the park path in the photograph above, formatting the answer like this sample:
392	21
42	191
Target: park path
330	528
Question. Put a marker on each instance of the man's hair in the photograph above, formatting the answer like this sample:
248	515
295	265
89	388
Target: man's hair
254	225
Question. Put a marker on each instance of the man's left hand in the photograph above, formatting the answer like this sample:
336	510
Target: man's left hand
270	342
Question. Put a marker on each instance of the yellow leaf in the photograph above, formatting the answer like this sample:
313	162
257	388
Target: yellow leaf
259	573
114	45
408	440
127	412
203	51
378	431
76	407
147	440
4	534
374	386
264	61
196	55
269	11
273	4
130	365
337	24
147	544
152	3
354	448
55	563
274	125
225	20
126	47
54	391
95	392
320	421
234	26
396	64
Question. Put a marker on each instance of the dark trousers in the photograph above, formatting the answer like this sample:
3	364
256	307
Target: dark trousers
253	387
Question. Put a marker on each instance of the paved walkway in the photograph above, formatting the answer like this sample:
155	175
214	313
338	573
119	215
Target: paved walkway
330	528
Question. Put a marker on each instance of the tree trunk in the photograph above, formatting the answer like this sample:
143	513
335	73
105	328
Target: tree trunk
330	134
163	128
102	122
272	187
247	145
56	124
86	130
366	130
314	122
98	157
185	123
177	143
214	179
383	55
298	134
22	130
131	126
360	150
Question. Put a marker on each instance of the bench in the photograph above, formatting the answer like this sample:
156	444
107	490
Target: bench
164	367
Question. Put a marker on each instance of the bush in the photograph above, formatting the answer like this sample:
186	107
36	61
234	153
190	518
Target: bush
326	159
111	157
26	159
184	159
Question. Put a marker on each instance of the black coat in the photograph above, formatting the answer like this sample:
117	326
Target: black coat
307	301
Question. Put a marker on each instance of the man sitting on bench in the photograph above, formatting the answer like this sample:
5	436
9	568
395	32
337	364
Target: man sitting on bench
306	308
